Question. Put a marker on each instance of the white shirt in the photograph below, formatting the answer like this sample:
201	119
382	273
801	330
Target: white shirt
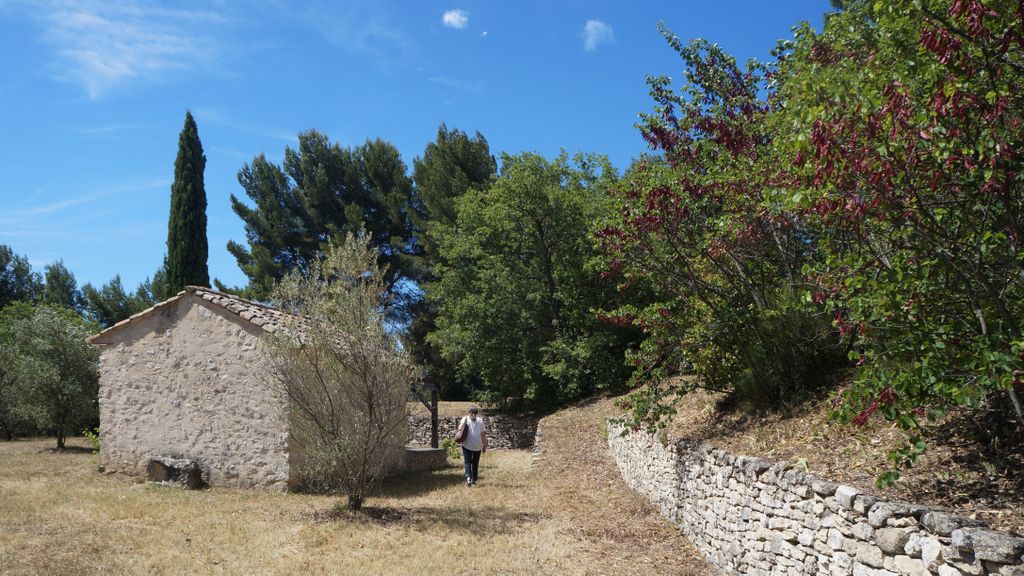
474	429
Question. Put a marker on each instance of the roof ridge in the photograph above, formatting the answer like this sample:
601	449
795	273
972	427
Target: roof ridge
263	316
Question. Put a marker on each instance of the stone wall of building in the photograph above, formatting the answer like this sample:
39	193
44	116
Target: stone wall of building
503	432
185	380
750	516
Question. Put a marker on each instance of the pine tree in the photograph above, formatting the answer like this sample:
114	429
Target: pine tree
187	248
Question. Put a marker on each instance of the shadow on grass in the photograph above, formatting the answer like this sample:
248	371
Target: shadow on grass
481	520
69	450
418	483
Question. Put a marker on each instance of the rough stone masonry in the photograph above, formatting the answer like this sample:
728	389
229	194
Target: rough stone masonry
750	516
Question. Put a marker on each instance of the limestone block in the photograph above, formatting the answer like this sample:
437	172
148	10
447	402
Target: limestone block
907	565
891	540
836	540
869	554
845	495
931	551
823	487
881	512
944	524
971	568
947	570
862	531
913	546
989	545
862	503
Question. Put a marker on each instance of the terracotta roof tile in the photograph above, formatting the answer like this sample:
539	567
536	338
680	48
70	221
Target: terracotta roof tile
266	318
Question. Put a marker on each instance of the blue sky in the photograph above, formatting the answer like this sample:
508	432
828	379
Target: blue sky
94	94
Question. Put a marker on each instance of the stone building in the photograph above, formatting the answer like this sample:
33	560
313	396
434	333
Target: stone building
186	379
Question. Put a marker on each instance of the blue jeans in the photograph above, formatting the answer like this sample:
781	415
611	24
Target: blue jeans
472	460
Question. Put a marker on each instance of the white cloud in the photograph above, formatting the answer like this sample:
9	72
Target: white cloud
458	19
105	45
472	87
596	32
483	34
364	28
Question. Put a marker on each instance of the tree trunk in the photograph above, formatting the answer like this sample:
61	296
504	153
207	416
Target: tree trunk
60	439
355	502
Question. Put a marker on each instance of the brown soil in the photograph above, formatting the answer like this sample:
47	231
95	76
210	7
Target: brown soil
956	473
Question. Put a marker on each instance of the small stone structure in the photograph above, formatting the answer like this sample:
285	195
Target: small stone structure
178	471
421	458
186	379
749	516
503	431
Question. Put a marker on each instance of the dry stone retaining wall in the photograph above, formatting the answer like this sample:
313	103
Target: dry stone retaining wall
503	432
750	516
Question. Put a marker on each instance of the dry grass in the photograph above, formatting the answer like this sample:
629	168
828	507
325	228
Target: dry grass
444	409
567	514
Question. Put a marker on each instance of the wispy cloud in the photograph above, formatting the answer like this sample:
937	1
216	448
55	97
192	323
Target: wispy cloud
103	46
215	116
108	129
464	85
46	205
456	18
596	32
364	28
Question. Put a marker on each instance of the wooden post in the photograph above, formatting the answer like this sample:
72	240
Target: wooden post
433	417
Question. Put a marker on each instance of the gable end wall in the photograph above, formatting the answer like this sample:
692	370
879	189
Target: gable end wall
188	381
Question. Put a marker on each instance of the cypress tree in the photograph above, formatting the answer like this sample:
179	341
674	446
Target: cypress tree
187	248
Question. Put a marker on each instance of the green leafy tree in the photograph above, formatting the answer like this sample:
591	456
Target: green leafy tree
61	288
699	227
321	191
17	280
56	371
905	118
110	304
12	415
187	249
450	166
345	377
518	283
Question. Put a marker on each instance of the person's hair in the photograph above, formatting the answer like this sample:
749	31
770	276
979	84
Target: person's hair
473	409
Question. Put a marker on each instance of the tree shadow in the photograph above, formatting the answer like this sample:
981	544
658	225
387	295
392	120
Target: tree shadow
69	450
419	483
483	521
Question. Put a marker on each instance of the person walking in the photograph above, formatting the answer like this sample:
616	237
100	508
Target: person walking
474	443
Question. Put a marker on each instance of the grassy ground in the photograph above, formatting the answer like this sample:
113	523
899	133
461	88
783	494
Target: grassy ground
444	409
565	513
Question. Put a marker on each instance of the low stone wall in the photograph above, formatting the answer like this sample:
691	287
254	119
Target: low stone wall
503	432
420	459
750	516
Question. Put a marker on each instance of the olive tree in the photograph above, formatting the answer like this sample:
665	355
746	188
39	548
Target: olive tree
55	370
346	380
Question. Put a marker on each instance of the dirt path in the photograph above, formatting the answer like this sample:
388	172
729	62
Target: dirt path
620	531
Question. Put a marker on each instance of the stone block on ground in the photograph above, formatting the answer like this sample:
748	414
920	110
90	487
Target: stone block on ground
180	471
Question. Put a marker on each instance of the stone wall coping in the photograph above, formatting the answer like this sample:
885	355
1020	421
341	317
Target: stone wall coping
881	536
